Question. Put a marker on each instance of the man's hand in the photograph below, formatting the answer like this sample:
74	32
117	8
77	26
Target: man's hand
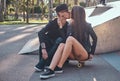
44	54
61	21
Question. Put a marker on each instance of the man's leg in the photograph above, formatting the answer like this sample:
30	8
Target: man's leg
41	64
53	50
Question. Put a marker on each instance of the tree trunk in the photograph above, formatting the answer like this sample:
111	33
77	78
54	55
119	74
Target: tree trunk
64	1
67	2
32	8
16	10
5	9
75	2
42	3
59	1
38	2
24	10
27	20
1	11
50	9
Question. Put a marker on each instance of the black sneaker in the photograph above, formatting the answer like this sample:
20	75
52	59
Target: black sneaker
38	69
47	74
58	70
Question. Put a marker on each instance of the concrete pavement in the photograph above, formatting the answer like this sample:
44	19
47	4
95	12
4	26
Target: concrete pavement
14	67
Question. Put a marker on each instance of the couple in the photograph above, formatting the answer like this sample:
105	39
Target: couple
51	36
77	45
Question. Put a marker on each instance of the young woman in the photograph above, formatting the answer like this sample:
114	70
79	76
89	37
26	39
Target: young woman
78	45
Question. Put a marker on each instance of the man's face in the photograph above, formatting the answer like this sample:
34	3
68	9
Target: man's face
64	14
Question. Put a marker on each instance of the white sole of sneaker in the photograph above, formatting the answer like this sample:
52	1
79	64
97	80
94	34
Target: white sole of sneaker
45	77
37	69
58	72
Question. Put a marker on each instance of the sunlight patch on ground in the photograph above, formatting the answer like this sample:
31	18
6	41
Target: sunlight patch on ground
94	79
1	32
15	38
23	27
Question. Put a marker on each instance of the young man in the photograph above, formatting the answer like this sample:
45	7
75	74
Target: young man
51	35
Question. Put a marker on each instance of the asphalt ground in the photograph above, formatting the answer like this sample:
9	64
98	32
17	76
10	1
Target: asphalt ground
14	67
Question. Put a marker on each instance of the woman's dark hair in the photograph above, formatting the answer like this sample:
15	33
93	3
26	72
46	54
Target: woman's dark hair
79	22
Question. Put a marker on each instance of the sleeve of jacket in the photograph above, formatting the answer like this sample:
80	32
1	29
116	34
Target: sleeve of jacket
94	39
43	32
69	30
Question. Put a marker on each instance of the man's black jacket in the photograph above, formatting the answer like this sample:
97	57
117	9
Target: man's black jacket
52	31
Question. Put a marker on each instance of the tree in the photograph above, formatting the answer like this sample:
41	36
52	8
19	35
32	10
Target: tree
38	2
42	4
59	1
67	2
1	11
6	4
27	21
50	9
16	9
75	2
23	9
5	8
32	8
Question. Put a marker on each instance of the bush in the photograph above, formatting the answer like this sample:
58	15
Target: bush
83	4
37	9
10	18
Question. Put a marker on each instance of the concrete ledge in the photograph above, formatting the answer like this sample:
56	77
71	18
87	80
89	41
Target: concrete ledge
108	36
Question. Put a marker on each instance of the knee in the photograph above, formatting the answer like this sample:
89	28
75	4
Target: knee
61	45
69	39
59	40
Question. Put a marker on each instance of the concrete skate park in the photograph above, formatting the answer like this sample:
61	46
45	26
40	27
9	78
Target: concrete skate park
19	46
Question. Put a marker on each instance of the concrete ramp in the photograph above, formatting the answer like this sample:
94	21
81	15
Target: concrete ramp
30	46
99	10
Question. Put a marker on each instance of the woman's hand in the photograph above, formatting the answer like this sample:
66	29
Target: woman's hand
91	57
44	54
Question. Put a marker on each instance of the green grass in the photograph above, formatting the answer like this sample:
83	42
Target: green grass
38	21
31	21
11	22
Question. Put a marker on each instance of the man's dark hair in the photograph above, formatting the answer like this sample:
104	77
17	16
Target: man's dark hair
61	7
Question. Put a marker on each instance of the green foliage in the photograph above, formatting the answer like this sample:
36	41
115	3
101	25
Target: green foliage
11	18
12	9
8	2
55	4
37	9
82	4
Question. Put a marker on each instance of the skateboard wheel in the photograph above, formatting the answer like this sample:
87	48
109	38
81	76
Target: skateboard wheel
80	64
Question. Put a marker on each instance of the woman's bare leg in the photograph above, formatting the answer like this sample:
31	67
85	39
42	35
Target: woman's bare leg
66	52
72	45
57	56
